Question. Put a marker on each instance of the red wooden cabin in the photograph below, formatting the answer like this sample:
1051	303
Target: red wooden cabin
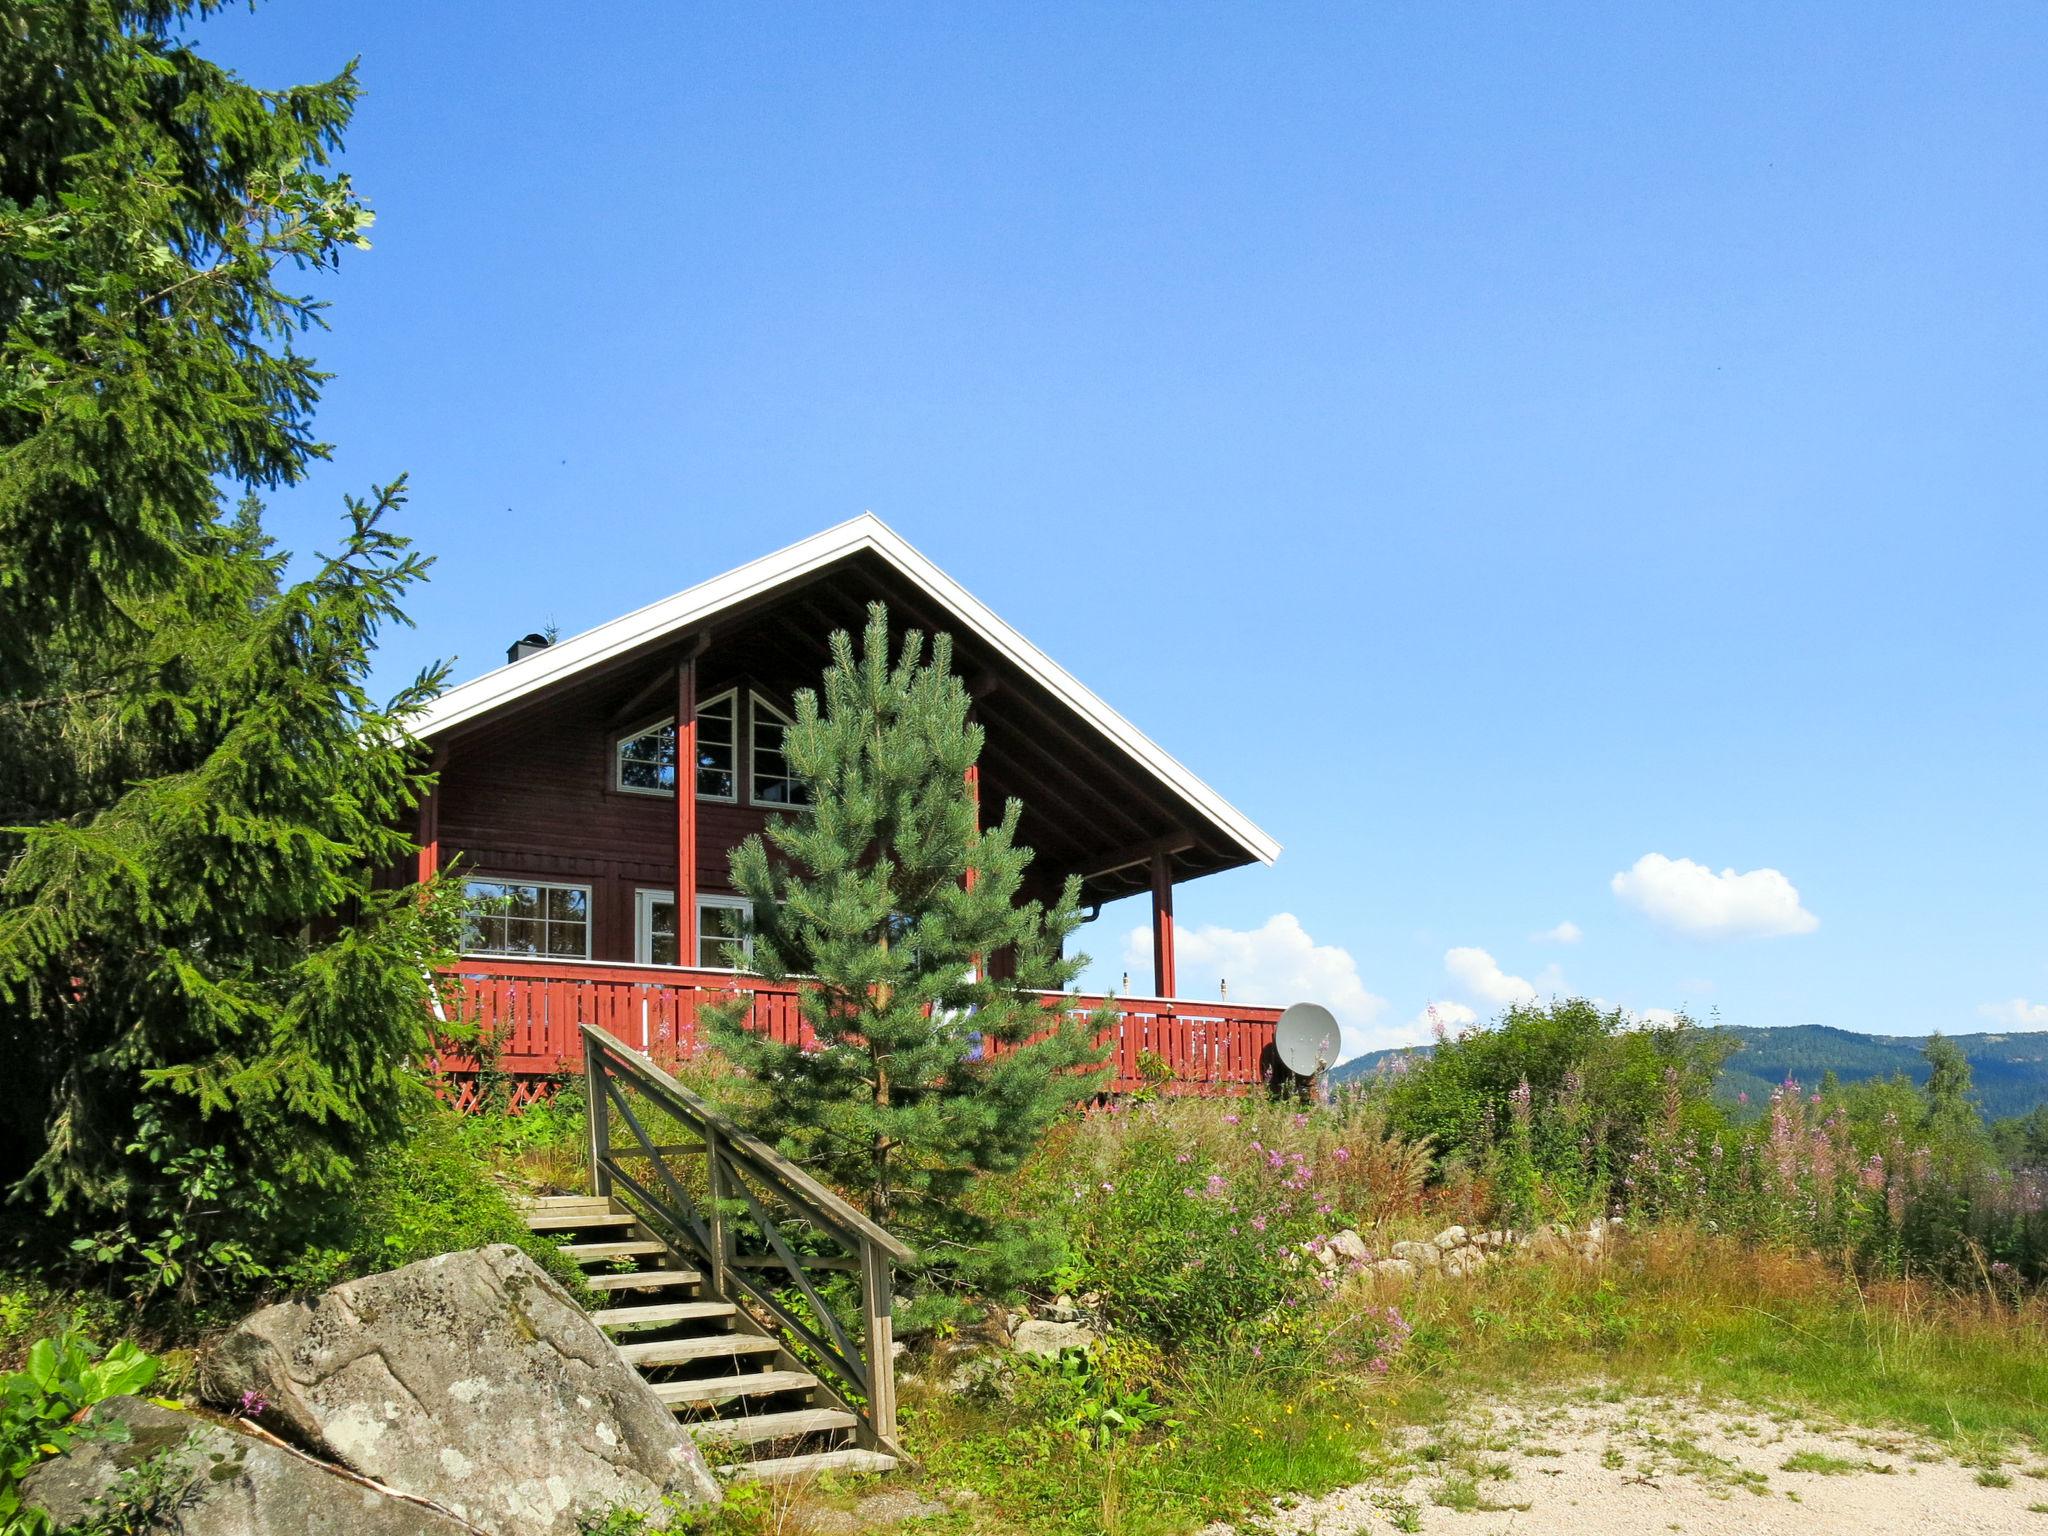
604	894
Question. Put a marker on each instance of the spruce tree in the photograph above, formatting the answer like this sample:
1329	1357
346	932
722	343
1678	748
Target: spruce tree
208	997
927	1070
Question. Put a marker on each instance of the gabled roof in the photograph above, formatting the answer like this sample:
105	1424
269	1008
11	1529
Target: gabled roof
867	534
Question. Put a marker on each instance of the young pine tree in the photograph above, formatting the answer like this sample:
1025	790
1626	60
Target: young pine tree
921	1077
207	1005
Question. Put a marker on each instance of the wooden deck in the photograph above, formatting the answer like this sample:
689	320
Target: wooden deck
533	1008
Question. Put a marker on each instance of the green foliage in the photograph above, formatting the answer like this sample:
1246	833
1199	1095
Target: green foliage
208	994
926	1072
748	1509
1557	1100
62	1376
1208	1436
1189	1221
427	1193
2021	1141
1077	1393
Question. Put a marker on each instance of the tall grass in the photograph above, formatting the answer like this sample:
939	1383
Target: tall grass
1696	1311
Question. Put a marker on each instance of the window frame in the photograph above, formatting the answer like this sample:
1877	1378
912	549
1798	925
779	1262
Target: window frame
645	899
589	916
756	703
618	761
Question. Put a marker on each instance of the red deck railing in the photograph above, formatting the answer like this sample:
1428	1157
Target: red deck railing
531	1010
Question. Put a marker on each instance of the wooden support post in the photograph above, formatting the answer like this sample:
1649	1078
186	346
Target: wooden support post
686	807
714	1214
877	1285
598	1112
1163	982
430	822
974	799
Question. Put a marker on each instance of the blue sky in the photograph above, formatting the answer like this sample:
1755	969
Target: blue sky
1492	444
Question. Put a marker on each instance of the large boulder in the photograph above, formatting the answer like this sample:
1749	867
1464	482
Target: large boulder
471	1379
205	1479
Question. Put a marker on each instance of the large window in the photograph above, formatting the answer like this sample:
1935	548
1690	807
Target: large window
774	783
515	917
721	920
646	761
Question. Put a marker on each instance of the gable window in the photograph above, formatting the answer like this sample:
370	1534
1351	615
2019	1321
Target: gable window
774	781
721	920
646	762
524	917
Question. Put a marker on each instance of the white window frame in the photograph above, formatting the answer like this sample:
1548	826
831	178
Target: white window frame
538	885
755	705
646	898
619	783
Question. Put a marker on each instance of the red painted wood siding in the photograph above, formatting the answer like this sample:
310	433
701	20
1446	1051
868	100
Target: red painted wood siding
532	796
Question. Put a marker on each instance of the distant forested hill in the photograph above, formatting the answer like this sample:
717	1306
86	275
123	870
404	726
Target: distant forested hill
2011	1070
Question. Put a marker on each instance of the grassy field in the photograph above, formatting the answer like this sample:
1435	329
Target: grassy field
1673	1313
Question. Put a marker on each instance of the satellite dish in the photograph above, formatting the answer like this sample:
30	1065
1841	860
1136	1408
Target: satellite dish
1306	1039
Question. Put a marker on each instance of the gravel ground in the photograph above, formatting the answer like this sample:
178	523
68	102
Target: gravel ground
1588	1466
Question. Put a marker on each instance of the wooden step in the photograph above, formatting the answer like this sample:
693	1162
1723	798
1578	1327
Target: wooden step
576	1221
593	1253
660	1312
564	1203
717	1389
643	1279
752	1429
717	1346
797	1469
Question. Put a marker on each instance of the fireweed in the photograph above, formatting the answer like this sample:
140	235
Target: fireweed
1887	1196
1191	1221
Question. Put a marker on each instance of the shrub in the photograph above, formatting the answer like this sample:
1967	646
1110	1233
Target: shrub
1190	1218
1554	1101
63	1376
424	1195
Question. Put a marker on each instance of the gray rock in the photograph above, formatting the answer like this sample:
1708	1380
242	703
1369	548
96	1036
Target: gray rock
1395	1269
1348	1245
1421	1255
1460	1262
1451	1237
472	1380
219	1482
1042	1337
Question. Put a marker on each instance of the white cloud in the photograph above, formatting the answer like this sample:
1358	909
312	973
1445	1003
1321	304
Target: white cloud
2016	1013
1482	978
1566	932
1277	963
1656	1016
1442	1015
1690	898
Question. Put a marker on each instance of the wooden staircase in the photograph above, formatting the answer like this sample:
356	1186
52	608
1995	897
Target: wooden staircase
749	1403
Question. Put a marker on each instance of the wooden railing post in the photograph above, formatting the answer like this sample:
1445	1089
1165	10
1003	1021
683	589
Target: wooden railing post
598	1113
714	1217
877	1285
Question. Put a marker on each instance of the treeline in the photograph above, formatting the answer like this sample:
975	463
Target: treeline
1566	1109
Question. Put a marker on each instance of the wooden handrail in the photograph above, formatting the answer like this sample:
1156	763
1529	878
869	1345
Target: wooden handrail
833	1208
745	1181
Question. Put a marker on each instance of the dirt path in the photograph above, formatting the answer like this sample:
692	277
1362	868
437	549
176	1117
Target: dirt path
1587	1466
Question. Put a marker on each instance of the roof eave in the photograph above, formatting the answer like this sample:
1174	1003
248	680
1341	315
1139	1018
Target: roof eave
630	632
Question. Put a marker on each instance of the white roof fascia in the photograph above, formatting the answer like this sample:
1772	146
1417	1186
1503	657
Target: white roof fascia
867	532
